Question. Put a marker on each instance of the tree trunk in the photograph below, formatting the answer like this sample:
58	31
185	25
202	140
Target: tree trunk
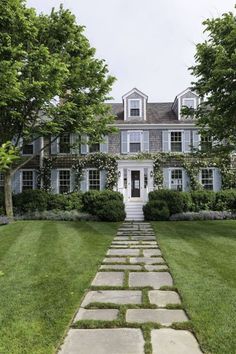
8	194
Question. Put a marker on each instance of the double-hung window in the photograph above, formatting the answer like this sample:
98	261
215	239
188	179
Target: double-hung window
176	181
206	143
207	178
64	181
189	102
28	149
1	182
27	180
135	142
64	143
94	147
176	141
94	179
134	108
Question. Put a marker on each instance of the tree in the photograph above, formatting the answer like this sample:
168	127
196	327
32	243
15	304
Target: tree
215	73
43	57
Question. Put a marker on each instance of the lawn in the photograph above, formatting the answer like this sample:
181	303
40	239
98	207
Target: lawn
45	267
202	260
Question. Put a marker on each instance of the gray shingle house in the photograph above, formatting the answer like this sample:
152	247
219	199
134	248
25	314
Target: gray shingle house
143	128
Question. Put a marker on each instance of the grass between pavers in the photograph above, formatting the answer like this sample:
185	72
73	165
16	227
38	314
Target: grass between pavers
201	256
46	267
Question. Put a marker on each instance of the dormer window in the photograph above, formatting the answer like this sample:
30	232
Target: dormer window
189	102
134	108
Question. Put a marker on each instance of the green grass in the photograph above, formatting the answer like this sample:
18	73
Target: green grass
45	267
202	260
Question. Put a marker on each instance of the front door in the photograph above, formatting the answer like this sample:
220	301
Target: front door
135	184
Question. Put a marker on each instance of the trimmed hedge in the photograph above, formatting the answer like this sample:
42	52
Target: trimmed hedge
175	202
203	200
156	210
107	205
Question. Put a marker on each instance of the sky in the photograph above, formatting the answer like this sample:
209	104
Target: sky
146	44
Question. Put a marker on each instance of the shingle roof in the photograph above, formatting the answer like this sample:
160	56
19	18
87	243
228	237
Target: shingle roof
157	113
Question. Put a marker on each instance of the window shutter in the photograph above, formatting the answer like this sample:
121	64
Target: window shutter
166	181
54	145
165	141
36	179
72	180
84	147
104	145
16	182
74	142
83	182
217	179
103	177
124	142
196	140
187	140
37	145
54	181
146	141
186	181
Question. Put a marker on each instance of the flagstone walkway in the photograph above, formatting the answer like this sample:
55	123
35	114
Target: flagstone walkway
131	307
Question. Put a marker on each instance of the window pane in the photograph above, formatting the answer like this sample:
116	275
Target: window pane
64	181
134	108
94	148
135	147
206	143
27	180
64	143
176	141
135	137
134	112
207	179
134	104
28	149
189	103
177	180
94	180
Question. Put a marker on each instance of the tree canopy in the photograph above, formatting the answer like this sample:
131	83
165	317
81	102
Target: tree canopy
215	73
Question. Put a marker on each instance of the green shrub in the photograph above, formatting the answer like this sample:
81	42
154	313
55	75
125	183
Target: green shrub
156	210
203	200
2	208
31	200
225	200
88	200
187	201
174	200
111	210
72	201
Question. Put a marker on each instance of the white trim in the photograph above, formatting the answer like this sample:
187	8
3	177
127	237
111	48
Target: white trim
58	179
140	107
213	176
170	169
186	91
128	141
87	177
182	140
134	90
153	126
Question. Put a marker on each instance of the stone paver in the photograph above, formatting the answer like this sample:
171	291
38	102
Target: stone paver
146	260
135	252
153	279
163	316
162	298
150	253
155	267
122	252
122	297
104	341
108	279
97	314
121	267
170	341
114	260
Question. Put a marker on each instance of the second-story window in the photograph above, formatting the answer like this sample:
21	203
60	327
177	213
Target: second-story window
206	143
176	141
64	181
189	102
134	108
28	149
64	143
94	148
135	141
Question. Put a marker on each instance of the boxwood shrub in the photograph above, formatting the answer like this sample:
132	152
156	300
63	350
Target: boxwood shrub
175	202
225	200
156	210
203	200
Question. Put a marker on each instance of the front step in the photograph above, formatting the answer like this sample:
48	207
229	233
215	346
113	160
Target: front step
134	211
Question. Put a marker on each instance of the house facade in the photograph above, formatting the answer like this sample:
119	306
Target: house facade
144	130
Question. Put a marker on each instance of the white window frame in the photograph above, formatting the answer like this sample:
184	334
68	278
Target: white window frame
213	177
33	144
87	179
58	179
190	99
182	140
21	178
183	177
129	108
128	141
58	146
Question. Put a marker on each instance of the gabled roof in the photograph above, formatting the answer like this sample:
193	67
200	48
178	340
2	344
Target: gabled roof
137	91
